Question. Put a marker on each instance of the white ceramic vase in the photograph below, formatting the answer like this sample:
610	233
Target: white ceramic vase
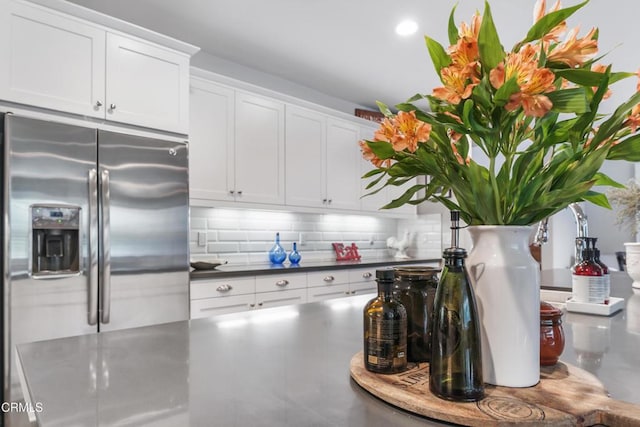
506	281
632	250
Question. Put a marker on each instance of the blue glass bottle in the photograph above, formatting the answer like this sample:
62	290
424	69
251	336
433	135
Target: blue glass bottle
277	254
294	255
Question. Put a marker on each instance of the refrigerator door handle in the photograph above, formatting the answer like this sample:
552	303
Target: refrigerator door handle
106	248
93	247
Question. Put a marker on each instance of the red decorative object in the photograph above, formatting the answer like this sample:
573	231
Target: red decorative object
348	253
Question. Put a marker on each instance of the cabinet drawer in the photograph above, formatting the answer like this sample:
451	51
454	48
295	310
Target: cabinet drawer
214	306
278	298
362	275
218	288
281	282
327	278
322	293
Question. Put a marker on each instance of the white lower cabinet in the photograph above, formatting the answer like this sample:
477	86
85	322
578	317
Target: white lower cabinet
221	296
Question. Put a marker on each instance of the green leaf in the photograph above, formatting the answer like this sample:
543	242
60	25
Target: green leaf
569	100
384	109
547	23
489	47
598	199
505	91
404	198
372	172
602	179
627	149
383	150
438	55
590	78
613	124
452	29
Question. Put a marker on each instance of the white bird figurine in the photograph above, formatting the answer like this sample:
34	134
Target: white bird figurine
400	246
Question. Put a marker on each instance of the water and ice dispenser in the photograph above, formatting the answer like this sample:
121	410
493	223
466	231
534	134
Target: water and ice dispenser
55	240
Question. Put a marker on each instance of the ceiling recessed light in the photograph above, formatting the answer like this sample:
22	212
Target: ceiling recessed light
406	27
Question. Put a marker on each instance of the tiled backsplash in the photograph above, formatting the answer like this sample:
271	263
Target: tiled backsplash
243	235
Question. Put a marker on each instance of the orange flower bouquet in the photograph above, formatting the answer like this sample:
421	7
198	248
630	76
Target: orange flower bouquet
533	111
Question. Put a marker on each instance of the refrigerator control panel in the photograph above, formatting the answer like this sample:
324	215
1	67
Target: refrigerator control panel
55	217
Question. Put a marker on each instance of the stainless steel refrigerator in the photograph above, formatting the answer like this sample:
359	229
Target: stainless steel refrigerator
95	233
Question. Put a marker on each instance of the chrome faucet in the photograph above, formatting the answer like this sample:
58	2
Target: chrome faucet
582	230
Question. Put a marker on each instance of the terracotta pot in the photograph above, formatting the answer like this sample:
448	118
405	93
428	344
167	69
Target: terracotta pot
551	334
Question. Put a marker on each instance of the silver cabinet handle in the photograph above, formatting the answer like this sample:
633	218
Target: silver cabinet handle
224	288
93	247
282	283
260	304
106	246
232	192
329	279
252	305
367	275
112	107
324	200
330	200
239	192
98	104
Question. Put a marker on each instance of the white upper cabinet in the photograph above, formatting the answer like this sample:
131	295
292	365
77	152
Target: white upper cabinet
259	149
51	61
322	167
343	164
61	62
305	157
211	141
146	84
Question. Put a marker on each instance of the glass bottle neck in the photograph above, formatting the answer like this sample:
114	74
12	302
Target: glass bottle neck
454	261
385	289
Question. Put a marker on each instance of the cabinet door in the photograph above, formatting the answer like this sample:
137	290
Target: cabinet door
343	165
305	142
259	149
211	135
51	61
147	85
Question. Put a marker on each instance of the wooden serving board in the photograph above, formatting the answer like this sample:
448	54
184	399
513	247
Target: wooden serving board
565	396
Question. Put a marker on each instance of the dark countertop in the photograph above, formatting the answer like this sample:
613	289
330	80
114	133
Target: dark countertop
286	366
232	270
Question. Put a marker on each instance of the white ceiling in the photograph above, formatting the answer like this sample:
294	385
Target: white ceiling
347	48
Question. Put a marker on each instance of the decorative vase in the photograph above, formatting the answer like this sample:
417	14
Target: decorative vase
506	281
632	250
294	255
277	254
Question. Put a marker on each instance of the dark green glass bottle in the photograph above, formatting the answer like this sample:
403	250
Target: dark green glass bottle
385	328
455	370
416	290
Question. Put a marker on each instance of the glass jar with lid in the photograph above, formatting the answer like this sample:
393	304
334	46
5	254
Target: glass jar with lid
415	287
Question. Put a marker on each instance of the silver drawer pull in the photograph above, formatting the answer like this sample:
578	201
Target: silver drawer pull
224	288
329	278
282	283
367	275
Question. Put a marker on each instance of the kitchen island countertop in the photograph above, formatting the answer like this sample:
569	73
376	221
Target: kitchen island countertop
287	366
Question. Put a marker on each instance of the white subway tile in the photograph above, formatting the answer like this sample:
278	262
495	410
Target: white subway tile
198	223
220	247
255	246
232	235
